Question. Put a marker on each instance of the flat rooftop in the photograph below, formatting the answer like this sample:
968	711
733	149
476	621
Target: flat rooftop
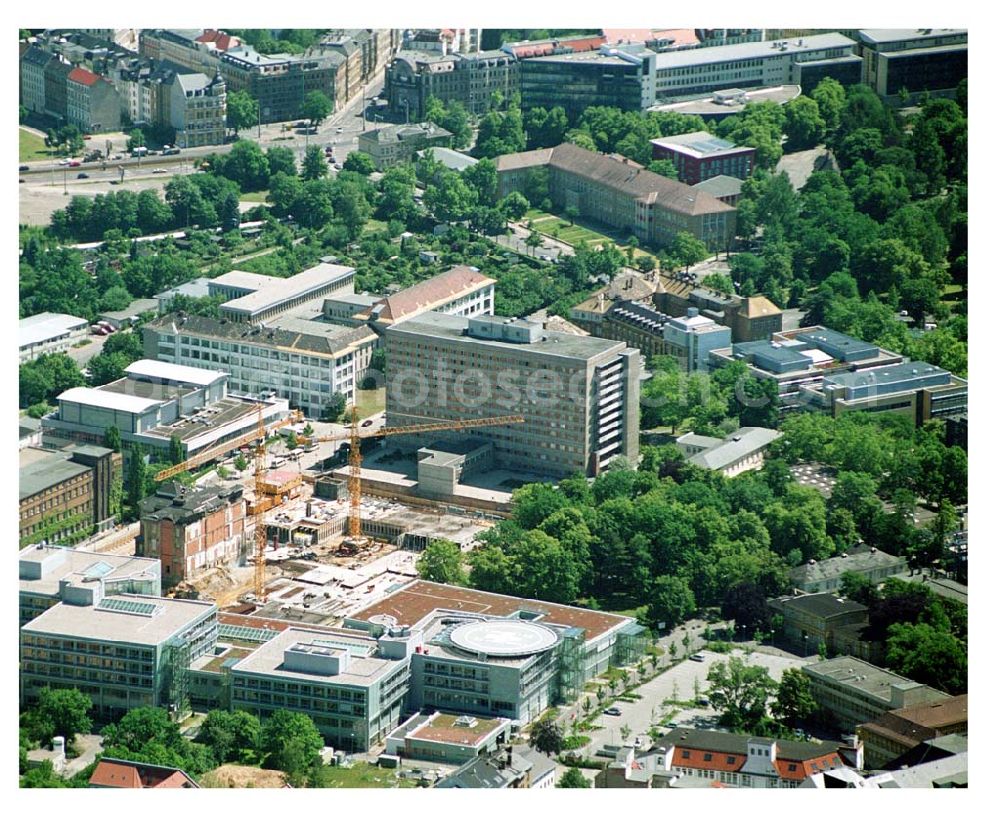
863	676
180	373
55	563
445	728
703	105
365	666
40	469
127	619
699	145
553	343
45	326
417	600
105	398
886	35
280	289
671	60
229	410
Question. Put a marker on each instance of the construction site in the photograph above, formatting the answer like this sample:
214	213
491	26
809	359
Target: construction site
314	548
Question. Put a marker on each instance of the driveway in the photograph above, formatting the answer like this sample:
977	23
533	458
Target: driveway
88	745
679	683
800	165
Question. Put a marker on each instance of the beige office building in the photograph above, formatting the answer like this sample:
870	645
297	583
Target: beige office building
578	395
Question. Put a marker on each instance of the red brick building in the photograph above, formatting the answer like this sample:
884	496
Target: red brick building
700	156
192	529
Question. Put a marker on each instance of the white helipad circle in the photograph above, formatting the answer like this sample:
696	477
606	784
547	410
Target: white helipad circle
503	638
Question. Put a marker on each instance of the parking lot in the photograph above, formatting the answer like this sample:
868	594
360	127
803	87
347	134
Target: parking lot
679	683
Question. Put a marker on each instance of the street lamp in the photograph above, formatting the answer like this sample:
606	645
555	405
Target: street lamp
805	645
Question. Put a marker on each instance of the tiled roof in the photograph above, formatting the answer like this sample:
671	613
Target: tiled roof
83	76
620	174
120	773
823	605
428	294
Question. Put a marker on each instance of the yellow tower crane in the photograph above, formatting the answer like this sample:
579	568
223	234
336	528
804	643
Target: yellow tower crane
354	457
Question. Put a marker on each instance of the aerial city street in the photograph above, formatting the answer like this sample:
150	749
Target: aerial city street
493	408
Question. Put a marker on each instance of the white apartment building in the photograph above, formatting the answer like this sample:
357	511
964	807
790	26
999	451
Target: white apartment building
302	361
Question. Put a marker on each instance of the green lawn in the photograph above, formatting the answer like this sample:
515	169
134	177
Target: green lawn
363	775
370	402
31	147
574	234
254	197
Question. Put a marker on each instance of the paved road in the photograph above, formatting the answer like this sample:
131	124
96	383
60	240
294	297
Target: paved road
680	681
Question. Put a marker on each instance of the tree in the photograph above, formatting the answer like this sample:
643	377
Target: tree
441	562
456	121
573	778
804	123
831	99
113	438
290	742
135	481
242	110
176	452
546	736
232	736
687	249
280	159
794	702
360	162
291	441
741	691
246	165
450	199
671	601
136	139
746	604
62	712
229	214
334	409
929	655
314	164
316	107
664	167
241	462
515	206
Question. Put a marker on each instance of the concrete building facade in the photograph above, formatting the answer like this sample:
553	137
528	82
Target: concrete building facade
92	103
578	395
198	110
398	143
414	77
49	574
124	652
352	687
907	62
48	333
800	61
855	692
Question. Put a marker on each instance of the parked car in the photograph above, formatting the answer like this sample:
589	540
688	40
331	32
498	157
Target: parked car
369	422
340	130
20	180
86	138
81	176
63	162
159	171
613	712
23	168
168	150
74	163
697	657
